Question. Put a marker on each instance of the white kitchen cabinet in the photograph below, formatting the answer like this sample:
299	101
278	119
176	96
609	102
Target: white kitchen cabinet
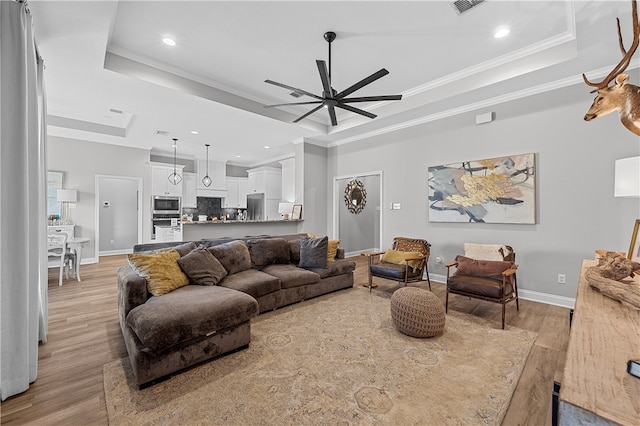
288	180
168	233
160	184
189	199
268	181
237	189
217	173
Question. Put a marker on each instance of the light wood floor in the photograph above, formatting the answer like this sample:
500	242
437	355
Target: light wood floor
84	334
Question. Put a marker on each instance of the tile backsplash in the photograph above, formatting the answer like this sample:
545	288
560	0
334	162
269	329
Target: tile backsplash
210	207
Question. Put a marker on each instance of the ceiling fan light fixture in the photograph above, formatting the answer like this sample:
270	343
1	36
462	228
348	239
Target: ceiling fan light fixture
331	98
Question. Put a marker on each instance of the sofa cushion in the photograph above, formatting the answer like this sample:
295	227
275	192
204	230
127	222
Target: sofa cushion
252	282
291	276
339	267
398	257
202	267
332	249
182	248
267	251
233	255
313	252
487	287
294	251
187	313
486	251
160	269
481	268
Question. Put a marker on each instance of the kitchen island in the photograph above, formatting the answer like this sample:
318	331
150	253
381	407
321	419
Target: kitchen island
192	231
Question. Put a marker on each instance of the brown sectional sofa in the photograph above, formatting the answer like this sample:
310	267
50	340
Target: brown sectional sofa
165	334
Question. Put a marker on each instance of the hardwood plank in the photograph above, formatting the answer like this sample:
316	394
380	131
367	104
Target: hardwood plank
84	334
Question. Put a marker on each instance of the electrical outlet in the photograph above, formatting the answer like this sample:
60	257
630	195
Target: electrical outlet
438	260
561	279
112	242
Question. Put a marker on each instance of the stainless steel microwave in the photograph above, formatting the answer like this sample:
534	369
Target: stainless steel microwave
162	204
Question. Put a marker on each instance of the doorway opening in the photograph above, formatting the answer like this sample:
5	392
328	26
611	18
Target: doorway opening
118	214
357	201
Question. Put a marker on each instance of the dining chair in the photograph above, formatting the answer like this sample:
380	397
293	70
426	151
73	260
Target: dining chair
57	248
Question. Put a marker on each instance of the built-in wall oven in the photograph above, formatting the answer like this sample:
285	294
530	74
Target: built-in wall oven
164	208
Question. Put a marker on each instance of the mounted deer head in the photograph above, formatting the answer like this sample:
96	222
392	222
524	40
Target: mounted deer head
621	96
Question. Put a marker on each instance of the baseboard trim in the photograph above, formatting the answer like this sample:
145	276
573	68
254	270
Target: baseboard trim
534	296
549	299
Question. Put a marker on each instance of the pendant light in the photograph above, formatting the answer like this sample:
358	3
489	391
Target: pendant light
206	180
174	177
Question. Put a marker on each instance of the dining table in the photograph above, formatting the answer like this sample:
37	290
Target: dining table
76	243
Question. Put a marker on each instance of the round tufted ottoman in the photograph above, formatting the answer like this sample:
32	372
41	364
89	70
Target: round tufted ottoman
417	312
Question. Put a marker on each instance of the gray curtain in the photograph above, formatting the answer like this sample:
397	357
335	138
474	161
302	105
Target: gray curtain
23	273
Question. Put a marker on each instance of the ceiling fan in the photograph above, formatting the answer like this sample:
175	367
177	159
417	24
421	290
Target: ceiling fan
330	97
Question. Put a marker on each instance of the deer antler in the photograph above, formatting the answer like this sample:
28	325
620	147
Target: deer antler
626	58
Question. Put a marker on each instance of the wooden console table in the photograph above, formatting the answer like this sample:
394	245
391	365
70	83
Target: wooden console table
596	388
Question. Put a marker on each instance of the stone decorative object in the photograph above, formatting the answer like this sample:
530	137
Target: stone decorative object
607	275
417	312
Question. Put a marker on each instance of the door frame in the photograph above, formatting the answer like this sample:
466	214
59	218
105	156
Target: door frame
97	212
335	202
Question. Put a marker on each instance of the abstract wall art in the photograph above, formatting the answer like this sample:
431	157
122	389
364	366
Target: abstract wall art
494	190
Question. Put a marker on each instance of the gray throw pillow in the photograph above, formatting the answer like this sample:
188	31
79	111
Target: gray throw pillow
313	252
202	267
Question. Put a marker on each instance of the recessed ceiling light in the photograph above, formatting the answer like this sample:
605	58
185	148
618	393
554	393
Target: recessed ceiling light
194	132
502	32
238	156
169	41
267	147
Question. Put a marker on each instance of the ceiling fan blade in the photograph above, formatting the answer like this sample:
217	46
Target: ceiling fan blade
368	80
294	89
308	114
324	76
373	98
332	115
356	110
293	103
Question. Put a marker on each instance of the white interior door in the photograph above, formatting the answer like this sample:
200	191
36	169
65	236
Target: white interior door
119	214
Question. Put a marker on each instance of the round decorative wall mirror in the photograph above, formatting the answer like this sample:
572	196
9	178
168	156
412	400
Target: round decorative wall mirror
355	196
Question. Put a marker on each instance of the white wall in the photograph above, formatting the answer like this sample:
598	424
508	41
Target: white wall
81	161
576	210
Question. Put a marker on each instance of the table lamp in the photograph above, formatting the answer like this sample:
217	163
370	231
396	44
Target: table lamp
66	196
285	210
627	178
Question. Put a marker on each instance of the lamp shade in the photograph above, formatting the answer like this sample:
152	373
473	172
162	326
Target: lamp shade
67	195
627	177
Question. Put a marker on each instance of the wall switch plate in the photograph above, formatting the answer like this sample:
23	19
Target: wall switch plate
561	279
396	206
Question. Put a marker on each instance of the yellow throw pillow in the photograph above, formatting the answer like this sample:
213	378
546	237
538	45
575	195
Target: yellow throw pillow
332	250
398	257
161	270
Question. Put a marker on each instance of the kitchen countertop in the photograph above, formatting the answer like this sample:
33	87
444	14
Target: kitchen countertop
216	222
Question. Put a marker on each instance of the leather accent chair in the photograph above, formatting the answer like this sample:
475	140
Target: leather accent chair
410	269
492	279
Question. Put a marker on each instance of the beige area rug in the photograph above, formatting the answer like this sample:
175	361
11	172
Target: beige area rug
337	359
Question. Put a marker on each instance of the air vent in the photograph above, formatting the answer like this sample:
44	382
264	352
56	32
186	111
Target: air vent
162	133
115	111
295	94
463	6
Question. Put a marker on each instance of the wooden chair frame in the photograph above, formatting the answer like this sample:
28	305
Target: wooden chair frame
508	277
404	244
